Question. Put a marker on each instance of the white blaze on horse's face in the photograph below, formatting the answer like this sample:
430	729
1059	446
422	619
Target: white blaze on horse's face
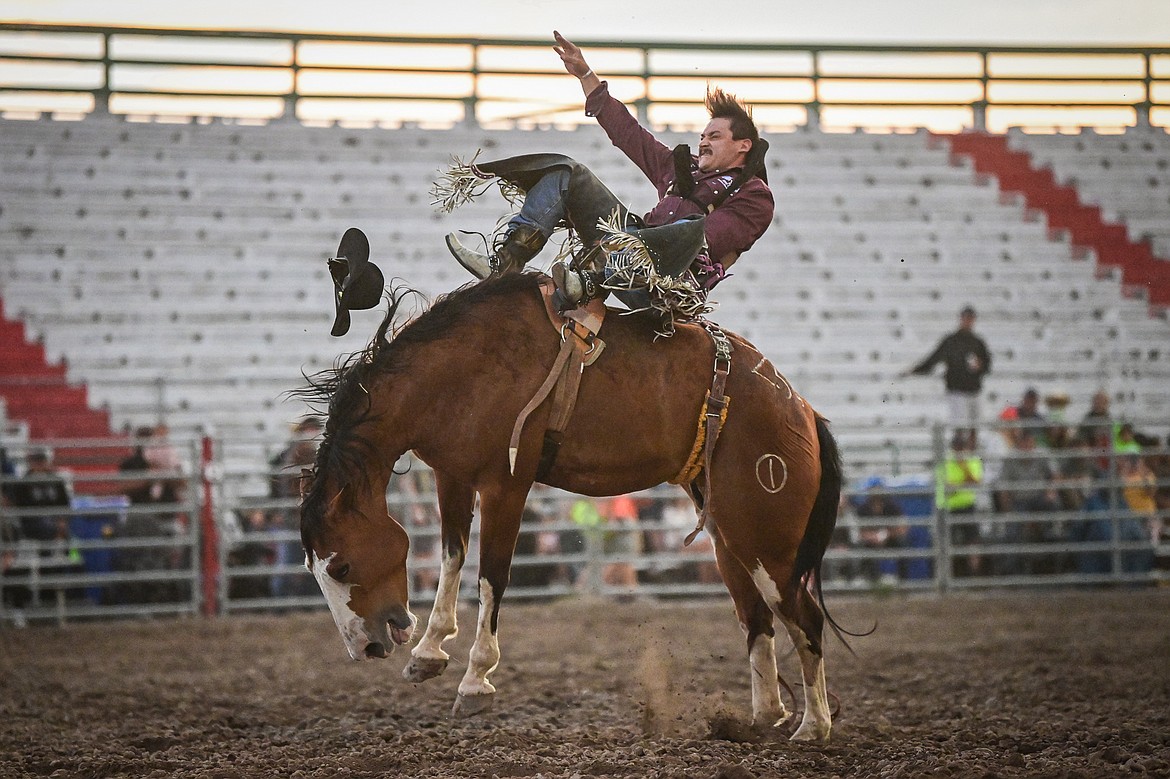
337	596
363	638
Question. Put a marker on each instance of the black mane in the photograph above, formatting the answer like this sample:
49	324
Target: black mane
343	388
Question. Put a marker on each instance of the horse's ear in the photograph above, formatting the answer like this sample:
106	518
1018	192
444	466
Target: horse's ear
306	481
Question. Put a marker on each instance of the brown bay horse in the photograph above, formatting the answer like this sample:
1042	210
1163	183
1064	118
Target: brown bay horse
449	386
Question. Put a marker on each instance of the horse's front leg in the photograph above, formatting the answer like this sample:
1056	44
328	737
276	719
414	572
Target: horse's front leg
499	525
456	501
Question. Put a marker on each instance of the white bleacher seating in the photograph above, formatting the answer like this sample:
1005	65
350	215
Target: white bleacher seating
181	267
1127	175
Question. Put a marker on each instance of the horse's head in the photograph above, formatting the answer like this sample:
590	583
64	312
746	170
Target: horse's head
357	552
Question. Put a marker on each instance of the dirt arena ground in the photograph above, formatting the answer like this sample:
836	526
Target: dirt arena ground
1022	684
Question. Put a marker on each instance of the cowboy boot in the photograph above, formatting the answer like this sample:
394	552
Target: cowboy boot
519	245
574	288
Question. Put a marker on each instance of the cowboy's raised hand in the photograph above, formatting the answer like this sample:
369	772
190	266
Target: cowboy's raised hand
571	56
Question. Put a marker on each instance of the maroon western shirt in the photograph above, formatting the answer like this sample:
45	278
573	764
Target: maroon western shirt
731	228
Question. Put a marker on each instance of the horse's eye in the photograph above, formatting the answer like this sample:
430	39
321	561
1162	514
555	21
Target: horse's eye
341	572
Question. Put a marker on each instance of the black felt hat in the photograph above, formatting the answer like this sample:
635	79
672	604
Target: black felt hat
357	283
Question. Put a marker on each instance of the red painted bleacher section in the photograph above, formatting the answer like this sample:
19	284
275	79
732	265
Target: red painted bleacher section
37	393
1064	210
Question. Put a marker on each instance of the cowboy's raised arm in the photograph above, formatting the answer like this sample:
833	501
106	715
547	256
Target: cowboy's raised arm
575	64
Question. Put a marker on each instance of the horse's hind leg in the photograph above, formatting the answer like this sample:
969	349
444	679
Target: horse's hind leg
756	620
805	622
803	619
428	659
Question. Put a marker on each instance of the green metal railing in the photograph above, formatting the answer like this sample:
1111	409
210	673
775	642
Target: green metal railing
392	79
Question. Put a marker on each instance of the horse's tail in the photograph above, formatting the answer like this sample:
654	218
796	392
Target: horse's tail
821	522
823	518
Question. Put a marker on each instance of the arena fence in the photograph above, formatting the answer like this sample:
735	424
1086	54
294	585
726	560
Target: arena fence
1061	517
161	73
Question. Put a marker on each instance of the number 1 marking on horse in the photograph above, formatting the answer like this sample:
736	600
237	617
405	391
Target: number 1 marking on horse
766	472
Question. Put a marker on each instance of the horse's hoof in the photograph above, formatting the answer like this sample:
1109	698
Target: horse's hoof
419	669
772	719
811	734
470	705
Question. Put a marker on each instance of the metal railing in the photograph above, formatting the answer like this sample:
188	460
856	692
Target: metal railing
222	547
99	554
453	80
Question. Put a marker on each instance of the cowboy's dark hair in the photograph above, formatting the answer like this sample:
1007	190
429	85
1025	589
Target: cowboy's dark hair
724	105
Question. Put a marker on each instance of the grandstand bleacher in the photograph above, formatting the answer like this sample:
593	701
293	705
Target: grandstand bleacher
178	271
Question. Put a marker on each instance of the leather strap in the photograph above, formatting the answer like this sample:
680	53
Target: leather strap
715	413
580	347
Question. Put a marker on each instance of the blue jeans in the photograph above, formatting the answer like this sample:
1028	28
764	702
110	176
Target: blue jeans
545	208
544	203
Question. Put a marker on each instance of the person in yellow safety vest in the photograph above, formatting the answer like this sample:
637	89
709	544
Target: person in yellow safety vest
959	477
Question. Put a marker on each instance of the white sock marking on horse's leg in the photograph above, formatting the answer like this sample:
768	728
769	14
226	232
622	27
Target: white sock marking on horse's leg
767	707
767	588
817	721
771	595
485	652
442	624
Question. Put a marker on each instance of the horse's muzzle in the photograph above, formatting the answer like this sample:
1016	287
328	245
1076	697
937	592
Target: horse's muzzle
401	623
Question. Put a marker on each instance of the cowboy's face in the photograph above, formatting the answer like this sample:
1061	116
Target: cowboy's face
718	150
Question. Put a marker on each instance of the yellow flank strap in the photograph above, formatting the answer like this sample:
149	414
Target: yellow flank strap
694	463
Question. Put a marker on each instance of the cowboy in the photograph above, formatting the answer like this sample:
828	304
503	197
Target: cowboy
712	206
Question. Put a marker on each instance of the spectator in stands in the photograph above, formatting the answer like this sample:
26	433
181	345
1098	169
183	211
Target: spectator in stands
1126	440
165	461
300	452
254	550
1138	490
1027	484
967	360
1079	477
419	515
1160	464
622	540
1097	417
285	552
7	471
1081	480
588	537
160	484
1056	401
995	449
285	483
677	516
41	487
962	475
1030	417
535	542
153	487
726	182
877	504
15	597
1101	443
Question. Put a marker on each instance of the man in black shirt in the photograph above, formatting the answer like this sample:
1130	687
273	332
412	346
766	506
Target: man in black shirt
41	488
967	361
